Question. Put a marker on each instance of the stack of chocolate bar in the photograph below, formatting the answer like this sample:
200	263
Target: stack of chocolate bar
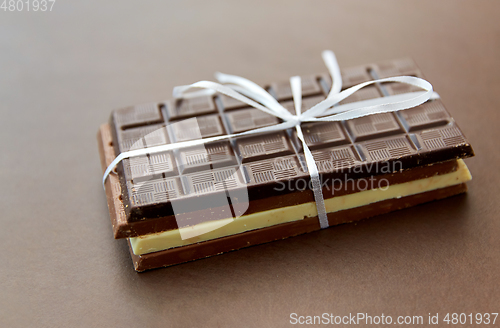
190	203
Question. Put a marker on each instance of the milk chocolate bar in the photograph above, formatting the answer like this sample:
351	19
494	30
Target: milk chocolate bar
415	144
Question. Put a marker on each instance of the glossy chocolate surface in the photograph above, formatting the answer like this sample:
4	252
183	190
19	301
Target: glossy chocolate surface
356	148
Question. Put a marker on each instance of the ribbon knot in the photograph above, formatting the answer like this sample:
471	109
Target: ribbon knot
329	109
295	119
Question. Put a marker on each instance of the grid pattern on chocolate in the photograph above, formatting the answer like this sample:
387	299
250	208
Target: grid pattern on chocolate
440	137
404	66
153	191
190	107
354	75
426	115
336	158
213	180
142	137
321	135
145	166
373	126
268	158
382	150
271	170
249	119
366	93
195	128
264	146
137	115
206	156
283	91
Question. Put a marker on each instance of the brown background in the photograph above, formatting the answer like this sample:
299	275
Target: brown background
62	72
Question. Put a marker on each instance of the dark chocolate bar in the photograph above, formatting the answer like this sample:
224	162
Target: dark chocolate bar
123	228
356	148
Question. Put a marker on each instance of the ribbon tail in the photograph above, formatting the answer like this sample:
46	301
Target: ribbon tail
295	83
316	182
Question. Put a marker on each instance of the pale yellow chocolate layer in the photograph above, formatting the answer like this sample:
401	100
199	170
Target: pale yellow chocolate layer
172	238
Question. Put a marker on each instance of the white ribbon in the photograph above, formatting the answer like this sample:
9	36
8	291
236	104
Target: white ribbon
252	94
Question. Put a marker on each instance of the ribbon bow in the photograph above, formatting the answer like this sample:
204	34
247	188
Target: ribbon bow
252	94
